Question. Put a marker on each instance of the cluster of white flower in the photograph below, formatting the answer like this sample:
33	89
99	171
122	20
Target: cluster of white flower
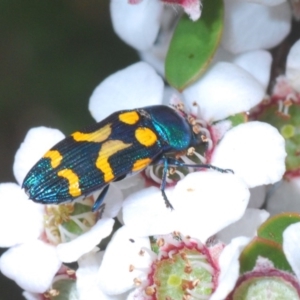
206	204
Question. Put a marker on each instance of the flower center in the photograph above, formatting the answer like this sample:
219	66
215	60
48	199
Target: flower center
184	271
267	284
65	222
266	288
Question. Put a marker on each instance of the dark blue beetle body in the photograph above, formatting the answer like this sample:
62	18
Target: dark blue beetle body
125	142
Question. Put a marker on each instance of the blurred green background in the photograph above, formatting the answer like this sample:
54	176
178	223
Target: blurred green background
52	55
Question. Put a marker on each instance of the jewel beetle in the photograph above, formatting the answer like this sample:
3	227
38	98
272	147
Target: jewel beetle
125	142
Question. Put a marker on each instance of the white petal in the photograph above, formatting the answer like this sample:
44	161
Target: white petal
155	59
145	212
255	151
229	266
156	55
113	202
131	184
138	24
36	143
31	265
86	278
285	197
71	251
257	63
237	91
135	86
114	275
266	2
222	55
293	66
250	26
257	196
31	296
21	219
246	226
193	9
206	202
291	246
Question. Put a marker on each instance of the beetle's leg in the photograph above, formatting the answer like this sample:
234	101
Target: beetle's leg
100	199
163	182
178	163
98	203
101	210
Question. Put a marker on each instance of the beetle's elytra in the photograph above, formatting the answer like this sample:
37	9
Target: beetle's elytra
125	142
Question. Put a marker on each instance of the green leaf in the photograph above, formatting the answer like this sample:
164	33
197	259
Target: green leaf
238	119
273	228
263	248
193	45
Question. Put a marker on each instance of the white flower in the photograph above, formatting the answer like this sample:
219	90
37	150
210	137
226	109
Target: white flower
135	86
139	24
202	204
87	280
129	259
240	35
272	24
32	265
285	195
287	86
237	91
237	150
27	253
23	219
255	151
203	201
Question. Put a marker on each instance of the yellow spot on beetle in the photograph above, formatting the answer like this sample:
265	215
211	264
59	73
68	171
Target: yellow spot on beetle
108	149
145	136
97	136
55	157
73	179
141	164
129	118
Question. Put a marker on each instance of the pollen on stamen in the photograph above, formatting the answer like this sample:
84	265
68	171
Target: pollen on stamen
160	242
134	268
70	272
51	293
188	269
151	254
190	151
137	282
177	235
131	268
183	255
150	290
283	109
204	138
